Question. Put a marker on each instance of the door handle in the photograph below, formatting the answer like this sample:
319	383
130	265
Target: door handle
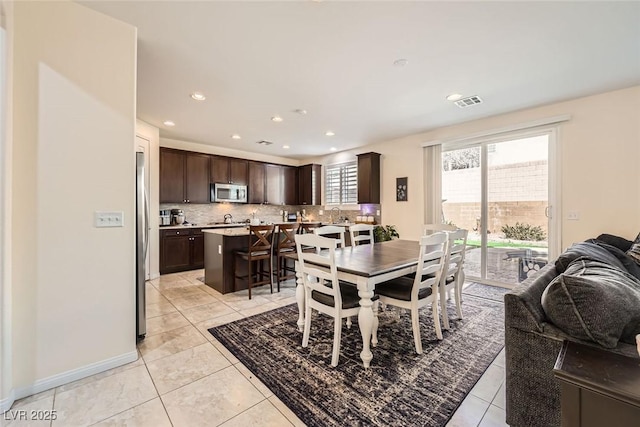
547	211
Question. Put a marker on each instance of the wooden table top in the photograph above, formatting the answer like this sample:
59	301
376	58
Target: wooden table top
376	259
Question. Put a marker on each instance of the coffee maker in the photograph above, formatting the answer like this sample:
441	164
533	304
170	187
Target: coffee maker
177	216
165	217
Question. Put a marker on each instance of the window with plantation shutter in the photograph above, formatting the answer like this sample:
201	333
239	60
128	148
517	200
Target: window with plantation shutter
341	184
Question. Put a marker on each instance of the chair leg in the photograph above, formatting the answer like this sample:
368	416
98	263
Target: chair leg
443	309
337	334
415	325
307	325
436	319
249	277
374	331
458	293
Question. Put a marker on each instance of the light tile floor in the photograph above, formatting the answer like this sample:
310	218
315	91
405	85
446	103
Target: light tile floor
185	377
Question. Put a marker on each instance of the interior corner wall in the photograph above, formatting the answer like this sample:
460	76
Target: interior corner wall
152	134
74	88
599	154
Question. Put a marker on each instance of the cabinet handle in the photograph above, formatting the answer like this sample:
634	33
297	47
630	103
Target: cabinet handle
177	232
187	200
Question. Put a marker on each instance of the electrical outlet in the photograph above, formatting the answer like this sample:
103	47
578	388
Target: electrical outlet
320	212
573	215
378	212
109	219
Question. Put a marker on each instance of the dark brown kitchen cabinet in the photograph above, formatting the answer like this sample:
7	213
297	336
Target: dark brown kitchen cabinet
256	182
184	177
229	170
369	178
289	185
309	187
181	250
273	184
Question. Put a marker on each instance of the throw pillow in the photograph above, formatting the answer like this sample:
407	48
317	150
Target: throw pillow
594	301
634	251
617	241
589	250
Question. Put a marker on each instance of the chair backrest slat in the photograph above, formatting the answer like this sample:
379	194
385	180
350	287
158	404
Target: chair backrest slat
332	230
431	262
260	237
286	235
361	234
318	267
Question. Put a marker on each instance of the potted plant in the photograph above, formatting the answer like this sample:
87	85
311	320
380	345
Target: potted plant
383	233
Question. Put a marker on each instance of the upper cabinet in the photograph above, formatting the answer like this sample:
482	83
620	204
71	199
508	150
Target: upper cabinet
289	185
229	170
309	187
273	185
184	177
369	178
256	182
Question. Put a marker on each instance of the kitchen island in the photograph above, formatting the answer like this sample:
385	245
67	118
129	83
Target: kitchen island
219	252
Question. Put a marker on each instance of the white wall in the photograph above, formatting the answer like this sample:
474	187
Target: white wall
73	128
600	177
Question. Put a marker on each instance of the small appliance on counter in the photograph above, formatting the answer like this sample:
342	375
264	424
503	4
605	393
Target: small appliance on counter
177	216
228	219
165	217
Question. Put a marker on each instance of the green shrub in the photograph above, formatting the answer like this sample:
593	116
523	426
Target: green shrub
384	233
524	232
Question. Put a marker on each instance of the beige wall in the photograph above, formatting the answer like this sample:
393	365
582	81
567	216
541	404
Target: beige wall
599	154
73	130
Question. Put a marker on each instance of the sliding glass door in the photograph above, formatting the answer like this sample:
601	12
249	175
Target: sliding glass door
499	191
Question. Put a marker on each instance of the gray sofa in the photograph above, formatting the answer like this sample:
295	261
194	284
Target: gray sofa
532	344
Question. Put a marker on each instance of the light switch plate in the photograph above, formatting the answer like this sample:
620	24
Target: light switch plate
573	215
104	219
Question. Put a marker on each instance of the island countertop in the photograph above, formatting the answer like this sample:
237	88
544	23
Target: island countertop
235	231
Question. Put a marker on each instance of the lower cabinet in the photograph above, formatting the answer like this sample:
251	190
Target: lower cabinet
181	250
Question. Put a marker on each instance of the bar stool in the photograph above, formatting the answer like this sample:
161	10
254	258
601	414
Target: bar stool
286	245
259	250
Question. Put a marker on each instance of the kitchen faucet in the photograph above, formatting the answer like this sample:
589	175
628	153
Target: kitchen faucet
331	215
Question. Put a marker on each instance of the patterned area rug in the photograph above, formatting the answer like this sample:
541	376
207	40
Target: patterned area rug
479	290
401	388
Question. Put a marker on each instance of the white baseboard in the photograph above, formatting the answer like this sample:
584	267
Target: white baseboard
154	276
66	377
5	404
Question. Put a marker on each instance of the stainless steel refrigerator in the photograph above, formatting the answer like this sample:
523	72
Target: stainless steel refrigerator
142	244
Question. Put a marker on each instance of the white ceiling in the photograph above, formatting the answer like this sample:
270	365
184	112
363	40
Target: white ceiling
255	60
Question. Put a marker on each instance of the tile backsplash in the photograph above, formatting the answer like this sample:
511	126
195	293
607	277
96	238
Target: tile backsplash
204	214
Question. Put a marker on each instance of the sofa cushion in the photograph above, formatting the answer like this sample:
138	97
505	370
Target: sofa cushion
594	301
634	250
617	241
627	262
586	250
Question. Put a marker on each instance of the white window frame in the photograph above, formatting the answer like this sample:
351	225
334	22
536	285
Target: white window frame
341	203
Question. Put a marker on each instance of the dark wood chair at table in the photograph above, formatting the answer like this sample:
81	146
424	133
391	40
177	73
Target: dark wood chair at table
286	245
257	256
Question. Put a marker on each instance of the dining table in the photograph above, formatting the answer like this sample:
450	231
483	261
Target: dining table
365	266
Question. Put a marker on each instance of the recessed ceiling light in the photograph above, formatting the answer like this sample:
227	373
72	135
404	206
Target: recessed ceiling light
235	136
300	111
333	148
198	96
454	97
276	119
400	62
286	147
329	133
169	123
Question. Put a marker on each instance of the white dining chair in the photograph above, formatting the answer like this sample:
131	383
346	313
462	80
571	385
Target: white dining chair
361	234
323	291
422	290
453	278
332	230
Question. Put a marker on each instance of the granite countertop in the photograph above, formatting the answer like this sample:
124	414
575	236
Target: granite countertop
229	231
174	227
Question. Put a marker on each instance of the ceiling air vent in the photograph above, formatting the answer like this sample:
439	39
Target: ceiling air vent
468	102
263	142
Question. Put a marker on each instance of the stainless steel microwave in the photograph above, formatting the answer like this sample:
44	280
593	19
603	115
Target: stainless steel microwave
233	193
